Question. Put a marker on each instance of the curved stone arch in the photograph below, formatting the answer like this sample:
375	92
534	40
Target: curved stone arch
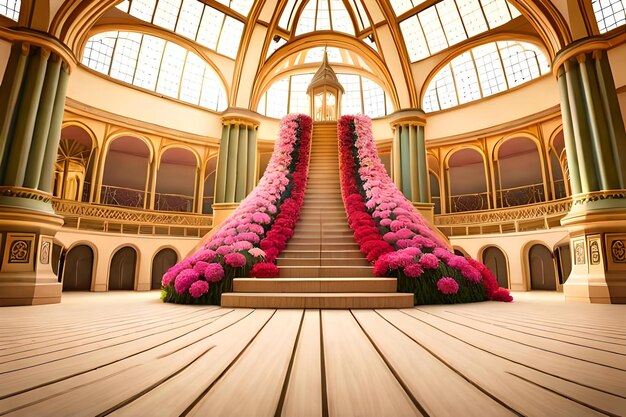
446	179
162	34
94	267
186	147
266	74
123	133
481	253
166	246
460	249
561	157
451	152
85	127
455	51
549	23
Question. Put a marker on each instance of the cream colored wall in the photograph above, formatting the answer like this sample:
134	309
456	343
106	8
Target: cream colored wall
617	58
96	91
105	245
5	52
515	247
532	98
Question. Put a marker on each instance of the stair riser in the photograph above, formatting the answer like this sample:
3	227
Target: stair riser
322	262
328	254
325	272
321	247
372	301
314	286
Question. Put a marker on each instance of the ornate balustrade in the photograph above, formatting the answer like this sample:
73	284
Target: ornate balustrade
113	219
521	196
545	215
469	202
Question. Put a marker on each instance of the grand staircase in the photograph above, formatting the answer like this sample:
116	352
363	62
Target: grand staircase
321	267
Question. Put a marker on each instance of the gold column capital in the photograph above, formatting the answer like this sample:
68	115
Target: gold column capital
595	45
47	43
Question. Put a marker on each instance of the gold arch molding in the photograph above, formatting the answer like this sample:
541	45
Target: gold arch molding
267	75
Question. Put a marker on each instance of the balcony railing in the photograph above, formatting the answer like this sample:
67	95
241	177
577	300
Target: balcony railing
469	202
173	202
120	196
544	215
521	196
112	219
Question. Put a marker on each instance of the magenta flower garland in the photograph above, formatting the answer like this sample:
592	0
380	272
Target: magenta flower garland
249	241
393	234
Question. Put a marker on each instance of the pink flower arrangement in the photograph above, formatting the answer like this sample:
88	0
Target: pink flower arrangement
386	226
257	230
448	285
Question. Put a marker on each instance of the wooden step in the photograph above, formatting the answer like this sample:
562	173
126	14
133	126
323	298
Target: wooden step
323	246
316	240
324	254
317	261
315	300
326	271
319	285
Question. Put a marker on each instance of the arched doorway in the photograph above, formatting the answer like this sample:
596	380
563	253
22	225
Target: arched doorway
541	264
125	176
176	181
162	261
74	164
122	271
78	269
494	259
209	186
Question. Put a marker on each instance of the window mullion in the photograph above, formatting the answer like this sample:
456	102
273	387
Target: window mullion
506	81
138	55
182	74
113	54
480	87
461	19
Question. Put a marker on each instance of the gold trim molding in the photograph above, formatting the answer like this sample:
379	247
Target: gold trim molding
41	40
27	193
580	199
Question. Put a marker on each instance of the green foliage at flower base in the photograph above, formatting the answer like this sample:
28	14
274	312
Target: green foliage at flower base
425	289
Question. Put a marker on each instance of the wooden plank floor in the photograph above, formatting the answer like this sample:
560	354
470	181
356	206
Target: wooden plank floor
128	354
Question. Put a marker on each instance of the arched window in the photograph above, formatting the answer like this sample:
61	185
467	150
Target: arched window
74	165
125	178
467	190
483	71
10	9
519	180
558	165
609	14
320	15
288	95
156	65
449	22
176	181
194	20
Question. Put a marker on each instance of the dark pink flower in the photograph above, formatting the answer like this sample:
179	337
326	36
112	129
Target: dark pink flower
185	279
199	288
448	285
413	270
429	261
236	260
214	272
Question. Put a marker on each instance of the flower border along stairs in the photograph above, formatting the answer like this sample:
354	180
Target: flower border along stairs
321	265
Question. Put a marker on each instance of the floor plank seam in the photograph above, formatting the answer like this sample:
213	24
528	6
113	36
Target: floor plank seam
283	393
393	371
525	344
449	366
325	412
519	363
230	365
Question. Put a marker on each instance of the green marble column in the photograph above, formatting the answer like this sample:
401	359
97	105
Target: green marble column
405	160
222	161
395	154
251	177
231	166
242	165
422	166
595	140
415	191
9	93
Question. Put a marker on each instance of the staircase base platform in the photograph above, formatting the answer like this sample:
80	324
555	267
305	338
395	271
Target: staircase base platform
318	300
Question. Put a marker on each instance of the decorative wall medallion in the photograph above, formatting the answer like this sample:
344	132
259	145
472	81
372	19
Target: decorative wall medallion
44	257
594	252
579	253
19	252
618	251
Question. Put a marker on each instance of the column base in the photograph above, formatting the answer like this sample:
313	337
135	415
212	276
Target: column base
26	276
427	210
221	211
597	228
